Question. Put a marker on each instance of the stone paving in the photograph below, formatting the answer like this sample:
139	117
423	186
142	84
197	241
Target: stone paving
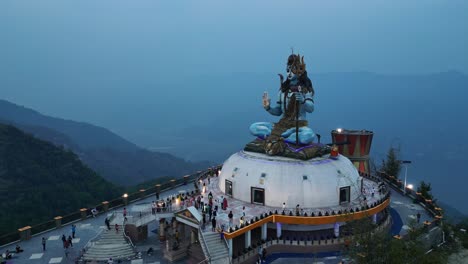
85	231
407	211
89	228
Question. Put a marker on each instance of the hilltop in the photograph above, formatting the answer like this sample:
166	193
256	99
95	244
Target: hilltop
39	181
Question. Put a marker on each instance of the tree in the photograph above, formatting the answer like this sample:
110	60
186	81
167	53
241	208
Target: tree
425	190
392	165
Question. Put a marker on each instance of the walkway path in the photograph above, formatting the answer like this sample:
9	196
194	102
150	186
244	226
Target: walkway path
86	230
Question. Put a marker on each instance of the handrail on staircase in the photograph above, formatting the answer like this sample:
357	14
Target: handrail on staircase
127	237
207	260
227	246
200	232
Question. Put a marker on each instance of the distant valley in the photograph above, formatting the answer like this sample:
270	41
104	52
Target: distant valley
113	157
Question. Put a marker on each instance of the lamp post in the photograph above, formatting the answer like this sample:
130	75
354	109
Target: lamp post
404	163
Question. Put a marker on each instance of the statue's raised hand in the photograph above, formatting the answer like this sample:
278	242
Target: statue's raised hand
266	101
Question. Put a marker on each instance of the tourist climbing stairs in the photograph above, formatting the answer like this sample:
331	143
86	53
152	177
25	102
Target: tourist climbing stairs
110	244
214	247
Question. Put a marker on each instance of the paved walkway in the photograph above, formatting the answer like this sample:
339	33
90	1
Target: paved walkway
85	231
406	212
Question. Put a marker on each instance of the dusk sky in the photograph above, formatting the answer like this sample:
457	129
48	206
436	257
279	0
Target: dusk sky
156	38
122	64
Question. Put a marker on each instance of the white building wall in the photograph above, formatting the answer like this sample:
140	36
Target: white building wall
284	179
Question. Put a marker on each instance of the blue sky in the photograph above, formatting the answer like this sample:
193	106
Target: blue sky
158	38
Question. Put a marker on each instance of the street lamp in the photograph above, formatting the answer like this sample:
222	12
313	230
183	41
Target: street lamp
404	163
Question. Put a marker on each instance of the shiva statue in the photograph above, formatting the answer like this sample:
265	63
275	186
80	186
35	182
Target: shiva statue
295	100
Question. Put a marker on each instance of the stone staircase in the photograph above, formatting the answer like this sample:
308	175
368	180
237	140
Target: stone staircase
217	248
110	245
195	252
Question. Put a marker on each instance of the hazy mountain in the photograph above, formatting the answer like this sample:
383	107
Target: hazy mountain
115	158
39	181
424	115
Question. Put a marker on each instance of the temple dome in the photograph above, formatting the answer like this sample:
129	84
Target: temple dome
271	180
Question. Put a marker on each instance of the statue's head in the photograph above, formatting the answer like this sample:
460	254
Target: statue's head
296	66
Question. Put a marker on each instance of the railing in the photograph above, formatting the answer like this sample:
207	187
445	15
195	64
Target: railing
92	240
14	237
384	196
207	260
227	246
429	205
127	238
319	241
200	233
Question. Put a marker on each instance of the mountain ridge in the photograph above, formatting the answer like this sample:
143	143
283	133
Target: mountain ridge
112	156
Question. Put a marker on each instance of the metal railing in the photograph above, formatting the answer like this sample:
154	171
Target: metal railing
39	228
227	247
201	237
207	260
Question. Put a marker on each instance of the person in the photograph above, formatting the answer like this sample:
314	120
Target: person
177	235
225	203
418	216
116	228
231	217
73	228
8	254
213	224
67	245
284	206
125	214
243	211
110	261
221	232
153	208
241	221
150	251
94	212
297	209
260	252
64	239
107	222
70	242
18	249
264	252
43	244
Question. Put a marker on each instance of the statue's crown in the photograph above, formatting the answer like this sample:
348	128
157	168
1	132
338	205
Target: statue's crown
296	62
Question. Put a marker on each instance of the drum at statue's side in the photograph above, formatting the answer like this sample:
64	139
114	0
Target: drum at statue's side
355	145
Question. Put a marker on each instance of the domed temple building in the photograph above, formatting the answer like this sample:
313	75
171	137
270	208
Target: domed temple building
286	183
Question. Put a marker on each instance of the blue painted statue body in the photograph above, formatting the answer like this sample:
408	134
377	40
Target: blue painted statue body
295	100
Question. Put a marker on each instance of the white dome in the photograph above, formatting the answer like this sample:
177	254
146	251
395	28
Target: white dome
314	183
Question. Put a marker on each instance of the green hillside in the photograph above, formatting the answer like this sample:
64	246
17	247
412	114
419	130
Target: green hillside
113	157
39	181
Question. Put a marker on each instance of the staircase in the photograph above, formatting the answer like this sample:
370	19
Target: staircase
217	249
109	245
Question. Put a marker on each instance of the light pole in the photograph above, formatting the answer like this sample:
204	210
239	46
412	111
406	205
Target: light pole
404	163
